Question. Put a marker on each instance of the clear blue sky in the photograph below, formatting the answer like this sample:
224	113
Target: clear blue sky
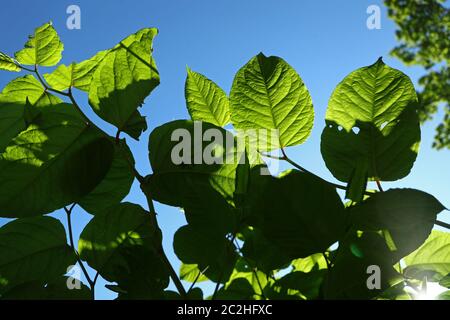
322	40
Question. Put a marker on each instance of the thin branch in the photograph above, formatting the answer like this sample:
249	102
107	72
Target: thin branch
216	289
442	224
74	102
254	270
200	273
173	274
162	254
36	71
299	167
379	185
72	244
24	68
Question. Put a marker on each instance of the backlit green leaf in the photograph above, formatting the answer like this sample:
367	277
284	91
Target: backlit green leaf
43	48
267	93
33	249
371	125
8	63
12	106
205	100
431	259
62	78
122	244
313	262
297	285
56	161
191	273
123	78
407	214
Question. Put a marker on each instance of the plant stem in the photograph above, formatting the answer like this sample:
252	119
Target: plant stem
254	270
173	275
379	185
299	167
200	272
36	71
162	254
216	289
72	244
442	224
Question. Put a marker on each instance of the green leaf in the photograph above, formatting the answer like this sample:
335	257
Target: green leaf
116	184
306	221
43	48
212	253
238	289
257	279
82	72
396	292
372	128
445	281
349	276
358	181
188	181
313	262
444	295
191	273
12	106
297	285
205	100
407	214
122	244
33	249
264	254
8	63
56	161
61	78
136	125
123	78
55	290
267	93
177	153
432	259
19	89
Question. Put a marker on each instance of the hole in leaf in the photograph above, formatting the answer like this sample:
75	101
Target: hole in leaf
355	130
340	128
384	124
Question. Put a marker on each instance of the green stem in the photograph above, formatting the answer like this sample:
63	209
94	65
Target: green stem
254	270
442	224
162	254
36	71
200	272
380	188
299	167
72	245
216	289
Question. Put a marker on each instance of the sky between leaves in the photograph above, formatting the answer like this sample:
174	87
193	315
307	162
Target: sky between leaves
323	40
